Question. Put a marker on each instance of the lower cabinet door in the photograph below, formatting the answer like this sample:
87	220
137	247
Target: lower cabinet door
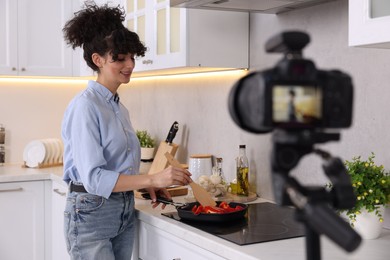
22	231
156	244
58	201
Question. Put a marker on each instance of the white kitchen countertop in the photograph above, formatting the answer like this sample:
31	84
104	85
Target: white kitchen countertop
377	249
294	248
16	172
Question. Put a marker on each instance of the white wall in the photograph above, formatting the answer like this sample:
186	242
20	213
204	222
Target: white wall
31	111
328	28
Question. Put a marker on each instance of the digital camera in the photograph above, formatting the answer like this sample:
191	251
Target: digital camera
294	94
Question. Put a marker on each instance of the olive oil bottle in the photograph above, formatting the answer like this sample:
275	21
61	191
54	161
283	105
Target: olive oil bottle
242	172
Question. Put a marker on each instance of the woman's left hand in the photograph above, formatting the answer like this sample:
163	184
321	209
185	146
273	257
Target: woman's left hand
160	192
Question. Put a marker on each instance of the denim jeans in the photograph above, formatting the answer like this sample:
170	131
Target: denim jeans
98	228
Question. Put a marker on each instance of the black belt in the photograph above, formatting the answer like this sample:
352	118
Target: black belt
77	188
80	188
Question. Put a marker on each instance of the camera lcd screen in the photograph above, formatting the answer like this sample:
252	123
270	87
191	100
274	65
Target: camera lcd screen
296	106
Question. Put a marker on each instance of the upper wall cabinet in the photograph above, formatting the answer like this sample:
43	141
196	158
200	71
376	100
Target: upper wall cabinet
369	23
189	39
31	41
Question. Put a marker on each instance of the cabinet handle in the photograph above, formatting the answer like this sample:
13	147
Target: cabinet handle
147	62
13	69
10	190
23	69
63	194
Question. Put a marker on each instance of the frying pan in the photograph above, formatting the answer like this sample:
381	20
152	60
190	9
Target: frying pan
185	213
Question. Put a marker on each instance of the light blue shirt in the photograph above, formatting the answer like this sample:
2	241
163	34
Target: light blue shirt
99	141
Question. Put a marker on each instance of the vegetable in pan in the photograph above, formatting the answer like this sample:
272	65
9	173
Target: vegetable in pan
223	208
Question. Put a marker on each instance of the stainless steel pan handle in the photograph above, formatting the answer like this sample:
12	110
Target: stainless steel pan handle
164	200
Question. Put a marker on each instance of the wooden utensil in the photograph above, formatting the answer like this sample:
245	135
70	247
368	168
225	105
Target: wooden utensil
200	194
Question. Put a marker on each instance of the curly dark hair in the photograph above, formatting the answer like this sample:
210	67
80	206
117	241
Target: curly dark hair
100	29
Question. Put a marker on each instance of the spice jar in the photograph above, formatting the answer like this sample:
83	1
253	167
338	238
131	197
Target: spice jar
2	155
2	134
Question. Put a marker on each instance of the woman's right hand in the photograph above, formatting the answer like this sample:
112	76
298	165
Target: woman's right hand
171	176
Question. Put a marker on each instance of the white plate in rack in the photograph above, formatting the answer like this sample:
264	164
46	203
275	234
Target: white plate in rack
49	151
57	149
61	150
34	153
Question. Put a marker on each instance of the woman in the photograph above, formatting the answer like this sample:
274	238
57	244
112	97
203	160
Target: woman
102	152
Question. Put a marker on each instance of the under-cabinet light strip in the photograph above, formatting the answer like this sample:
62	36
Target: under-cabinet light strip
41	80
75	80
194	74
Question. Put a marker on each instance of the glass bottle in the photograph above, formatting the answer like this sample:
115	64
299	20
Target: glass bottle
242	172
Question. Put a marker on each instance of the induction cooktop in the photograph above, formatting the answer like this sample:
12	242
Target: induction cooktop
264	222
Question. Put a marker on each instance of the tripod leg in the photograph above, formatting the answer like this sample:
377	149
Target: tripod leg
313	251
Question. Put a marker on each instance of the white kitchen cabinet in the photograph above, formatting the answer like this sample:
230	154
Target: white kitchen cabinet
188	39
369	23
156	244
22	221
31	40
56	239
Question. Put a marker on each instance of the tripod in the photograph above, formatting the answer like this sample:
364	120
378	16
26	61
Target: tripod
313	204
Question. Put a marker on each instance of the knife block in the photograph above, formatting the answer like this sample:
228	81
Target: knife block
160	162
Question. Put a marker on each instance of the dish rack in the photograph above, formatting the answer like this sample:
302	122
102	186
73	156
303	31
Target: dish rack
43	165
43	153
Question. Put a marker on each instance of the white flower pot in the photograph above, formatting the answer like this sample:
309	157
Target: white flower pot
368	225
147	153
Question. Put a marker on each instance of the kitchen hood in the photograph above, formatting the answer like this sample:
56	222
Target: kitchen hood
258	6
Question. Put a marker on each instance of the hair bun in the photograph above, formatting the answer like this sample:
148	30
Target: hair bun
91	22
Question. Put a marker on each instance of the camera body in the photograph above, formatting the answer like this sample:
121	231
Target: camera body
294	94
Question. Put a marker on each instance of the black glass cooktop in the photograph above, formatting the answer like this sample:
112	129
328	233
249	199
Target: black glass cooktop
264	222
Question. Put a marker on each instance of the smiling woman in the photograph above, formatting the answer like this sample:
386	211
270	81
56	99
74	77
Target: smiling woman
101	149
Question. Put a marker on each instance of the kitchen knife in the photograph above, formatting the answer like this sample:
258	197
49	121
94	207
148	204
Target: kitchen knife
172	132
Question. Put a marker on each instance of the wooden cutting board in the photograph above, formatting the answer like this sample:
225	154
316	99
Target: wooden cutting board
229	197
160	162
173	191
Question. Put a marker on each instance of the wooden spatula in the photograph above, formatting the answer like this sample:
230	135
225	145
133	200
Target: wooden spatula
200	194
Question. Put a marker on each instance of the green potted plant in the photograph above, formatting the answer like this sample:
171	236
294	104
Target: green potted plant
147	144
371	184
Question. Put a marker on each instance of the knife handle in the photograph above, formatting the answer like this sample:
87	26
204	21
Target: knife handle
172	132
